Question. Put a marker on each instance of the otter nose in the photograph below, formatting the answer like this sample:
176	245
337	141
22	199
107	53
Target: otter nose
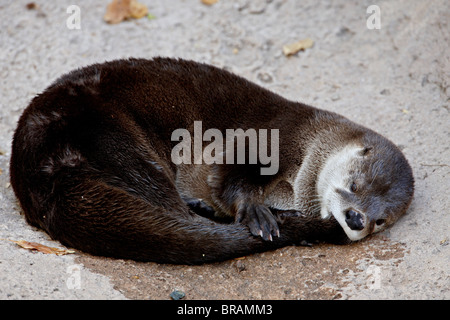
354	219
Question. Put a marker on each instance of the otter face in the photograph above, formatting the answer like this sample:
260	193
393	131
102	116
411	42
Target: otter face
367	188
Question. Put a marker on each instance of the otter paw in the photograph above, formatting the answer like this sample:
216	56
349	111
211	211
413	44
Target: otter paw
199	207
259	219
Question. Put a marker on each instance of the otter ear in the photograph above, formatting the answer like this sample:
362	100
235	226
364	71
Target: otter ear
365	151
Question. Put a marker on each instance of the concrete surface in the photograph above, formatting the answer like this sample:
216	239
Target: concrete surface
394	80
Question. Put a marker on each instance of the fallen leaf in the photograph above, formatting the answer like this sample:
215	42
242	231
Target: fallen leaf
41	248
31	6
295	47
209	2
119	10
138	10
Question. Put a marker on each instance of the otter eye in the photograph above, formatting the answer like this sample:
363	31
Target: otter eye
353	187
379	222
366	150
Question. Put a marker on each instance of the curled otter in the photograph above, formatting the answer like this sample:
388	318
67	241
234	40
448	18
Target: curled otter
91	165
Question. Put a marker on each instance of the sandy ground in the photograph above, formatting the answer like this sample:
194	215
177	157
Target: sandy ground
394	80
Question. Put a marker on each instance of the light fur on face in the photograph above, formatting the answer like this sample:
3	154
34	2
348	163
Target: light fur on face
335	176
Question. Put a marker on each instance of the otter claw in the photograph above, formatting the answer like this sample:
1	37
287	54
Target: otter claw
260	221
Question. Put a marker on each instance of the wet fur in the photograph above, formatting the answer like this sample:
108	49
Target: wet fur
91	163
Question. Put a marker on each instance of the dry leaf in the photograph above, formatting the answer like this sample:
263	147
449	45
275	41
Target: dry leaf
119	10
138	10
295	47
209	2
31	6
41	248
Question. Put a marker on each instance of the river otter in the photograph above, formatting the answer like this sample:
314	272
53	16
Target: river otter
92	164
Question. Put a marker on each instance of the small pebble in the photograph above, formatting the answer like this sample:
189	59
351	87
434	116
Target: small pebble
335	97
240	266
265	77
177	295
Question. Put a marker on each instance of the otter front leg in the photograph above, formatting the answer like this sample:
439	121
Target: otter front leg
238	190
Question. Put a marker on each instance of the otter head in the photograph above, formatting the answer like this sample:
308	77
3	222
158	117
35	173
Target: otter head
365	187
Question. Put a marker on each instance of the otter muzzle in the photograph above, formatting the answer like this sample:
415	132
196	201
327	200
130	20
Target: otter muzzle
354	220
